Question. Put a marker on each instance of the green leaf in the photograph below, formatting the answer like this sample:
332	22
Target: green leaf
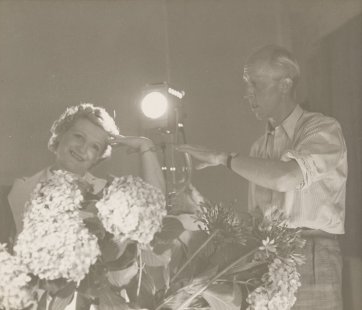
243	267
89	205
57	286
63	298
83	302
42	303
122	277
171	229
109	300
230	252
177	298
166	276
189	221
238	295
85	215
222	297
146	297
95	226
127	258
152	259
93	282
156	276
178	256
245	264
206	275
194	240
112	249
59	303
148	279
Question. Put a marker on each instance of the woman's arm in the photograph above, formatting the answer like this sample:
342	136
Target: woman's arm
151	169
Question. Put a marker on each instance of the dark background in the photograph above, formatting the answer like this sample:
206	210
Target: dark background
59	53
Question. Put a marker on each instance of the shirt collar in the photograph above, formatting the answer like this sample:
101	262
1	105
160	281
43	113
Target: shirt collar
289	123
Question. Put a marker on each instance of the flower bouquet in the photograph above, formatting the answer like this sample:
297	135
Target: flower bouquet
15	287
120	250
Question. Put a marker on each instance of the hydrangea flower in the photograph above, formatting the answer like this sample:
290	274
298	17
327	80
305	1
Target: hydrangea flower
55	242
279	287
132	209
14	282
279	248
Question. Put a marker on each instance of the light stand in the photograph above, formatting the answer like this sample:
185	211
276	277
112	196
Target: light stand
168	131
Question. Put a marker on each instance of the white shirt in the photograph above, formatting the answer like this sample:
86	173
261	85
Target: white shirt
316	143
22	188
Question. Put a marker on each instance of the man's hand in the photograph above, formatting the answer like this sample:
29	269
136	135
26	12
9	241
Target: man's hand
207	157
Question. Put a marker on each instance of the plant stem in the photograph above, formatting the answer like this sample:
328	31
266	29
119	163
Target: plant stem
222	272
141	270
194	255
237	282
164	302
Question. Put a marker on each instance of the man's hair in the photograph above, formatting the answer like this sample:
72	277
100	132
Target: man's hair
278	58
97	115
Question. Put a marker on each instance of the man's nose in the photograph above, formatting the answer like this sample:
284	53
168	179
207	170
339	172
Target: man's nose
247	99
249	96
250	90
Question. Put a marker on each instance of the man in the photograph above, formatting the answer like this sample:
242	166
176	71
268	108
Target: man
299	165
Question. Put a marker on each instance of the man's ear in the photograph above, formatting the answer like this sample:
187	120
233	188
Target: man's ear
286	85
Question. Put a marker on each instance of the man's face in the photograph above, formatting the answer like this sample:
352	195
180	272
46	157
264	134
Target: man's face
262	90
81	147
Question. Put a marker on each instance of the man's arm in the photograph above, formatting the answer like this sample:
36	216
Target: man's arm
321	148
273	174
277	175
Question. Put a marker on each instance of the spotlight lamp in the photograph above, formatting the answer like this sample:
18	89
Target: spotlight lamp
161	105
154	104
162	108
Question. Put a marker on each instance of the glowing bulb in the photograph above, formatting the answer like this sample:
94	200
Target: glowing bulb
154	105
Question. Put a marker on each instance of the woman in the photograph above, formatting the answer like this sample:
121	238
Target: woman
83	136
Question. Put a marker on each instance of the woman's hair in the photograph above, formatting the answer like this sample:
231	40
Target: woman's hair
97	115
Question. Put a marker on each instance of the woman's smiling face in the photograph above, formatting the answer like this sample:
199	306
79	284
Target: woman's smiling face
81	147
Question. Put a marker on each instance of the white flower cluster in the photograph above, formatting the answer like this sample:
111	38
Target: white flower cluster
132	209
55	242
14	290
279	287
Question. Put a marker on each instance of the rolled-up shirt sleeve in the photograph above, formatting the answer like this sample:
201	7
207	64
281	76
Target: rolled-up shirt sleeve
318	150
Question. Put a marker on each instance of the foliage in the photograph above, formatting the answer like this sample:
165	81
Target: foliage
210	259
